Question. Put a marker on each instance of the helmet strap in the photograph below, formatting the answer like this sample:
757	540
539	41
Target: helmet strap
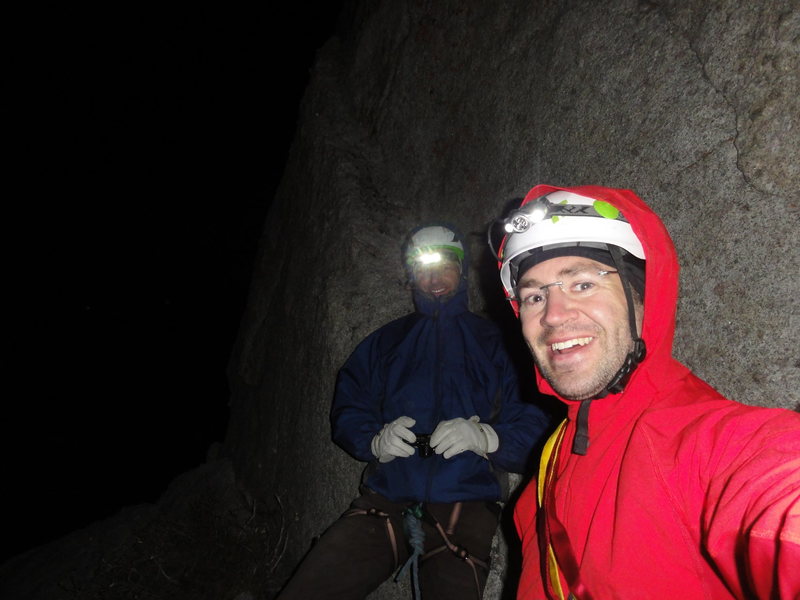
580	444
637	354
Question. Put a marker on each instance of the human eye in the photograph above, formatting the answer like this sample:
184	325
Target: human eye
451	267
582	286
531	298
580	283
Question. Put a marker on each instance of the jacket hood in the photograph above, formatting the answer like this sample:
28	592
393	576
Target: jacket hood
661	289
459	301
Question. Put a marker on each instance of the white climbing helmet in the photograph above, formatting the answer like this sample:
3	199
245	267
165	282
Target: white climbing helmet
561	219
430	244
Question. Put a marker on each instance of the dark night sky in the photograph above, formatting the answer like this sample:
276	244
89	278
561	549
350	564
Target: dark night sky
154	144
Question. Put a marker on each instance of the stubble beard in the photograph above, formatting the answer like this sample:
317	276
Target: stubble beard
583	387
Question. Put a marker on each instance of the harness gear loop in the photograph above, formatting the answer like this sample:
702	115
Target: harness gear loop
454	516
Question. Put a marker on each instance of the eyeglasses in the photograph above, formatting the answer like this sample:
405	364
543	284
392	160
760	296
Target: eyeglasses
577	286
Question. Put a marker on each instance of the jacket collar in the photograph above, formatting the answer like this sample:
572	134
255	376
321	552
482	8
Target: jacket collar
434	307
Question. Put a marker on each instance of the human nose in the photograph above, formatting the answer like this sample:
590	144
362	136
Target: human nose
559	307
435	275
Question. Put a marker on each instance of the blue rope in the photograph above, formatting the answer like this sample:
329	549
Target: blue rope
416	538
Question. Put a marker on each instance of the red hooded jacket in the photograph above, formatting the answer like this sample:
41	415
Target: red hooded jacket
682	493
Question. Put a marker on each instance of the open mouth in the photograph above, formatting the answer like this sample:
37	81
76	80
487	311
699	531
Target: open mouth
559	347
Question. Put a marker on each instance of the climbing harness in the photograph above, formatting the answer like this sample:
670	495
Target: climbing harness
413	517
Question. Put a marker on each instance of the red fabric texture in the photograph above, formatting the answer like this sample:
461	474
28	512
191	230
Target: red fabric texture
683	493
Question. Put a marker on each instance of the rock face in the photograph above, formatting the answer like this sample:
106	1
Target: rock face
448	110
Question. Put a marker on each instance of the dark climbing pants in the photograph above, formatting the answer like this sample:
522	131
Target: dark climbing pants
359	552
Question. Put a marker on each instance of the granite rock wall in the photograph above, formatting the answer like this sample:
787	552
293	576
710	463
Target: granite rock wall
451	109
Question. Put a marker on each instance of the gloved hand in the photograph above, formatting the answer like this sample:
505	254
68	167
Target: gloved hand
457	435
388	444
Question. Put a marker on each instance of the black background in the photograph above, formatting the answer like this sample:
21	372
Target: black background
151	144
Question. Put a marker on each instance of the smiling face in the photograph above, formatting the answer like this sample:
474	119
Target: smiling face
578	342
438	280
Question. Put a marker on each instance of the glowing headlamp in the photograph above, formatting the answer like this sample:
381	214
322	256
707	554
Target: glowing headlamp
429	258
521	219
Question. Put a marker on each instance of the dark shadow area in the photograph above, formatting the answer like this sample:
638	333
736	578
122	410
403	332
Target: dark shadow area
155	140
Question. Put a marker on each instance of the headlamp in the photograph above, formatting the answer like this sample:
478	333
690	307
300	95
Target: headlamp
429	258
521	219
540	209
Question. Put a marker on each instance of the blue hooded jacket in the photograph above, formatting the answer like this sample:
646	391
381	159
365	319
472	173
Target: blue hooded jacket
436	364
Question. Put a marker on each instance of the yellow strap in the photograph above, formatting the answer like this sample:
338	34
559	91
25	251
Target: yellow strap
550	450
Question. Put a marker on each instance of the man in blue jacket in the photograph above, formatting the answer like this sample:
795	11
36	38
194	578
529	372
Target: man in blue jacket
431	402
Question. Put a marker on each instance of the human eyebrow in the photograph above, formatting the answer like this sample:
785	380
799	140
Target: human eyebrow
584	265
576	269
529	283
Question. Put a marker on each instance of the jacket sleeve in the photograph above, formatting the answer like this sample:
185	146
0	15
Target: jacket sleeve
753	502
356	410
520	424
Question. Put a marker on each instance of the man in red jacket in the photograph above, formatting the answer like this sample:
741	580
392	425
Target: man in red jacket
655	485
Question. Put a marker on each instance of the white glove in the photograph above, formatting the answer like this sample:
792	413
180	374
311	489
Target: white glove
454	436
388	444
